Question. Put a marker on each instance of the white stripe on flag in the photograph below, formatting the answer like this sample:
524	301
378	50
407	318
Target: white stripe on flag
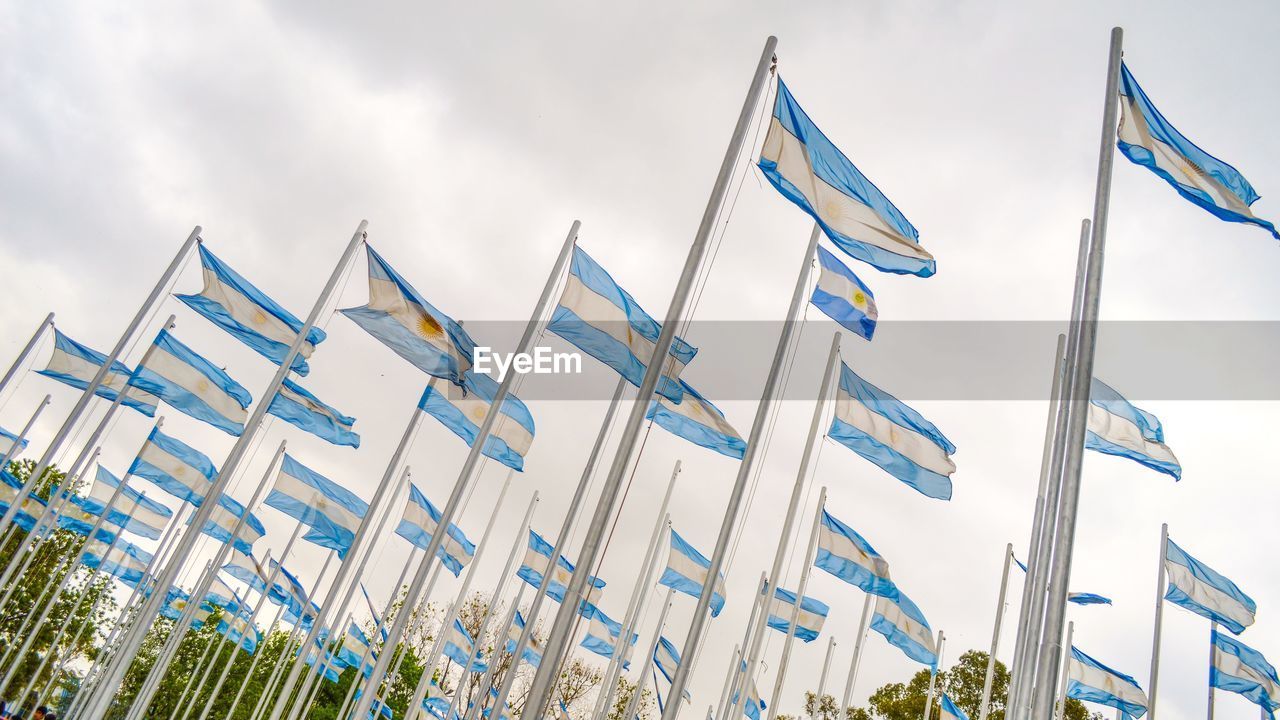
915	447
250	314
1181	577
600	313
182	374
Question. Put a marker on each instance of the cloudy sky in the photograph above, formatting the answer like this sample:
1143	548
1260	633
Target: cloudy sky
471	136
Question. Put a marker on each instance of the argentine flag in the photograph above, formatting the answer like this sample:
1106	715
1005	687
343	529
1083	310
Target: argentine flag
753	704
600	318
686	572
884	430
602	637
845	554
841	296
1239	668
175	467
419	523
1147	139
532	650
299	408
193	385
1080	598
140	514
288	590
667	659
246	569
813	613
235	305
1116	427
223	521
1206	592
463	411
75	365
697	420
459	647
9	487
332	511
125	561
81	522
330	668
412	327
950	711
536	558
903	625
354	645
240	631
10	445
1091	681
811	172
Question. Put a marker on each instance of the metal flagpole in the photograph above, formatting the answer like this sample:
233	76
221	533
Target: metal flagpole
558	639
97	709
1082	373
566	528
822	679
734	659
486	682
740	666
17	443
1062	681
273	679
468	471
26	351
1155	635
933	678
634	704
218	645
272	628
1213	630
634	606
985	706
793	506
65	657
857	656
805	568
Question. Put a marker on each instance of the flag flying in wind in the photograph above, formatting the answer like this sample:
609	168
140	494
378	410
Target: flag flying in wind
353	646
175	467
1081	598
1239	668
752	706
458	647
463	411
813	613
419	522
10	444
884	430
125	561
810	171
332	511
246	569
412	327
602	637
299	408
1148	139
697	420
240	631
904	626
532	650
845	554
75	365
1206	592
536	559
597	316
141	515
223	521
193	385
1116	427
32	506
841	296
667	659
235	305
1091	681
950	711
687	570
289	593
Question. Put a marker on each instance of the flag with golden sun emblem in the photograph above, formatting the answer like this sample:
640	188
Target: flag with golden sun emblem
463	411
841	296
191	384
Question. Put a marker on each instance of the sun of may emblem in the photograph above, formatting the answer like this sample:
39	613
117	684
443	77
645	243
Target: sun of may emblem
429	327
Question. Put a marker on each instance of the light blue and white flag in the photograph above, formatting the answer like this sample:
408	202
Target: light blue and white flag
687	570
193	385
223	595
810	171
597	316
132	510
32	506
235	305
438	707
463	410
419	522
373	611
1206	592
79	520
1239	668
1081	598
458	647
1147	139
332	511
10	445
299	408
1116	427
412	327
845	554
289	593
223	521
246	569
125	561
175	467
1091	681
884	430
240	631
950	711
841	296
330	666
532	649
351	650
903	625
536	558
602	637
753	705
813	613
667	659
697	420
75	365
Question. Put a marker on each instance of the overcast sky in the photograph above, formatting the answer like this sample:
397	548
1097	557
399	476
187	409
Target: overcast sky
471	136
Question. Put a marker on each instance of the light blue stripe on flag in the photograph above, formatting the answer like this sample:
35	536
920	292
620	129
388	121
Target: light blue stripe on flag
1206	592
1117	427
75	365
193	385
1081	598
809	623
511	435
950	711
697	420
419	522
175	467
299	408
841	296
686	572
1238	668
332	511
1091	681
904	627
847	555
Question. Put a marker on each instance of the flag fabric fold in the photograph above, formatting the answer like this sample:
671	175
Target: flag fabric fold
1206	592
305	411
193	385
1117	427
75	365
697	420
463	410
1091	681
686	572
1239	668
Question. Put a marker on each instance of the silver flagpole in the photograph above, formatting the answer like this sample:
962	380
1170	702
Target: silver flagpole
566	528
83	402
26	351
793	506
1159	622
558	638
1062	681
740	665
486	682
65	657
985	705
634	606
933	678
276	671
272	627
807	565
734	659
857	656
223	639
13	449
1213	630
97	708
633	705
1082	374
822	679
468	471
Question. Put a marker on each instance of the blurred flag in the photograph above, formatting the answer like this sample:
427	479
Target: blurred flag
686	572
903	625
667	659
175	467
600	318
419	522
950	711
235	305
602	637
75	365
532	650
536	559
1091	681
125	561
1239	668
301	409
1147	139
32	506
845	554
240	631
841	296
1116	427
459	647
1087	599
330	668
1206	592
463	411
10	445
752	706
332	511
289	593
193	385
811	172
351	650
223	521
813	613
246	569
882	429
697	420
132	510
